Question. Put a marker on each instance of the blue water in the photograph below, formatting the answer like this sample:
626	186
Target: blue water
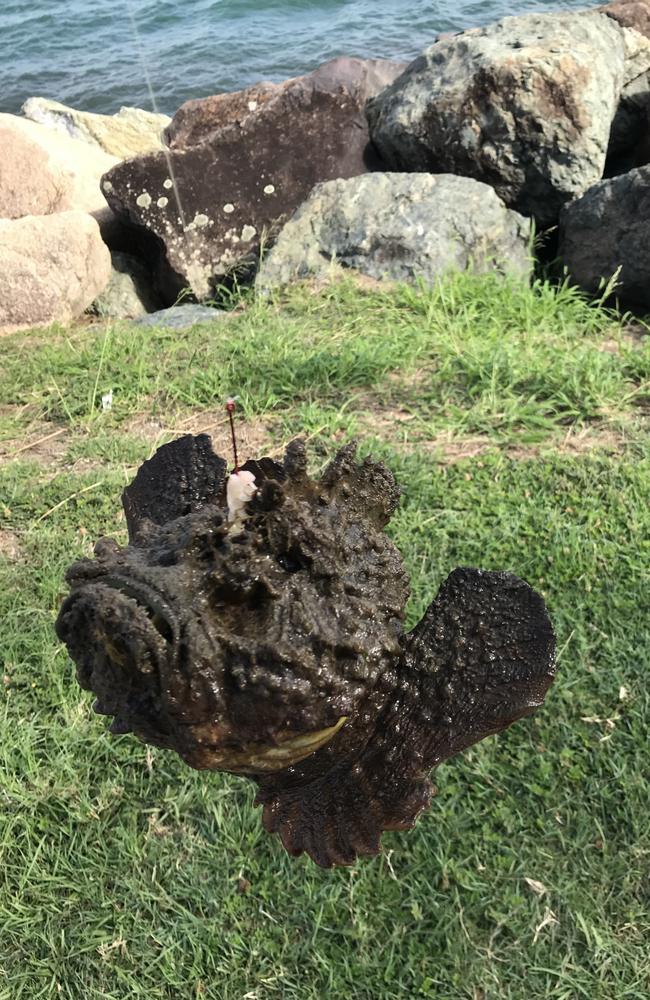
85	54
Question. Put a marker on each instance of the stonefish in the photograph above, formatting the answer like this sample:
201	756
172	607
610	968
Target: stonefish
265	637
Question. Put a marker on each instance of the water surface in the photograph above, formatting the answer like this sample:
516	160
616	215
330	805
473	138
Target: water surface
85	54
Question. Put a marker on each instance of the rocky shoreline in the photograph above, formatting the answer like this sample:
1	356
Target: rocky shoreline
533	124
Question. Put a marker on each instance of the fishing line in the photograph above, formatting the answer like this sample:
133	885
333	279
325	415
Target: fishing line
137	39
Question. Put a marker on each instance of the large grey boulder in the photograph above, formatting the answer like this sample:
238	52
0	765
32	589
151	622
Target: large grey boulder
525	104
607	229
399	227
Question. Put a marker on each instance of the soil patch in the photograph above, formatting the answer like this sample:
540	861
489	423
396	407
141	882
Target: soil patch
44	443
393	425
634	335
574	443
9	546
254	437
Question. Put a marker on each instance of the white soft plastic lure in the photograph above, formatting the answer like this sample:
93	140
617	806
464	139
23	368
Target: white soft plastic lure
239	490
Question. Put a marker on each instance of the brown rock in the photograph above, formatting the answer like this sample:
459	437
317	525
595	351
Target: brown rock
43	172
630	14
198	119
364	78
51	268
237	187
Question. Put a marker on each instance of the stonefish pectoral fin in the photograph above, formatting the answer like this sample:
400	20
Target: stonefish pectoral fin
482	657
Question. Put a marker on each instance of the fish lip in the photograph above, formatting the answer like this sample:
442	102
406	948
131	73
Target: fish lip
119	726
293	748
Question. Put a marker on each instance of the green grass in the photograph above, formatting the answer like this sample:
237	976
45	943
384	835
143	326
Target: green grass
491	356
120	868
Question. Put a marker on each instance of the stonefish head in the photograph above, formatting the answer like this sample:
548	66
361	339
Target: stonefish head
272	644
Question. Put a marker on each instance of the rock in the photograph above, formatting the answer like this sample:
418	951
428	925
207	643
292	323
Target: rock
240	184
525	104
363	78
129	292
199	119
400	227
129	132
10	547
181	317
607	229
196	120
629	126
51	268
630	14
43	172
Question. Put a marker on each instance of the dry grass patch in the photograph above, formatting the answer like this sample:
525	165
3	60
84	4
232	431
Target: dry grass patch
402	429
450	448
254	437
41	443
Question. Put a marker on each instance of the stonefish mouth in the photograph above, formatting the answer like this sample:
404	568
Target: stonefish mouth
290	749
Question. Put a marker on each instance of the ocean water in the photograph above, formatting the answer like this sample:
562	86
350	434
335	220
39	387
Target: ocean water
87	54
